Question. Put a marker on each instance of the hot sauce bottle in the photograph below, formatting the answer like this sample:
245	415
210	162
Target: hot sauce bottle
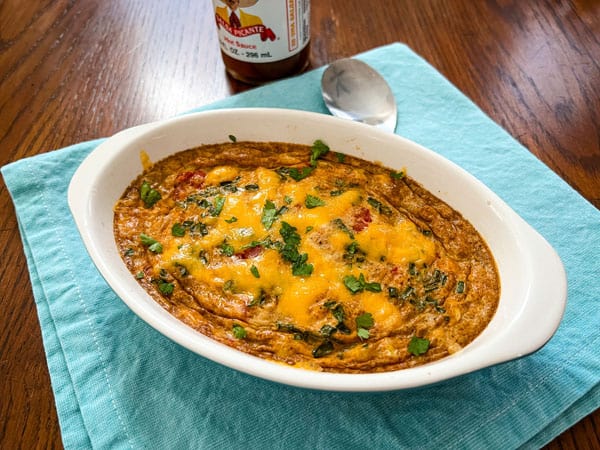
263	40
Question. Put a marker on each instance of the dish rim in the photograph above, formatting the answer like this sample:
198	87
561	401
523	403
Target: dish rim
541	278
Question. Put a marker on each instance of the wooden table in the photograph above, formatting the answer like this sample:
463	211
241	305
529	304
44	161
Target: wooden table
77	70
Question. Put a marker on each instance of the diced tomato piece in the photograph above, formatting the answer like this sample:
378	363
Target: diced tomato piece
249	253
193	178
362	219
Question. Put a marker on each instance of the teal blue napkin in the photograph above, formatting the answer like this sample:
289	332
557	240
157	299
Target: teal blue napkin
120	384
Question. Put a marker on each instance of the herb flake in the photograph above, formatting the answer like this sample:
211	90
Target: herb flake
312	202
300	174
227	249
239	332
290	252
356	285
318	150
178	230
149	195
165	288
418	346
363	323
153	245
217	206
269	214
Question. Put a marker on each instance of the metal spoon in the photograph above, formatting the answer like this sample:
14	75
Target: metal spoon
354	90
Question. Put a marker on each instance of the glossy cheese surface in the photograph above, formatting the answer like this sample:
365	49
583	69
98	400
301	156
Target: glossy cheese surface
306	256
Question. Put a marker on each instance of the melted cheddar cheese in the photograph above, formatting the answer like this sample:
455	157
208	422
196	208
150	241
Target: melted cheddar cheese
322	260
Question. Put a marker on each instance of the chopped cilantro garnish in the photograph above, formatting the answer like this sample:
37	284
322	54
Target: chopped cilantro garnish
228	285
182	269
318	149
254	271
393	292
165	288
363	323
362	333
195	228
232	138
323	350
268	215
336	309
312	202
418	346
342	226
202	256
327	330
290	252
152	244
265	243
239	332
397	175
199	228
408	293
354	254
149	195
378	206
435	280
178	230
299	335
300	174
251	187
301	268
460	287
340	157
290	237
227	249
232	219
412	269
353	284
356	285
229	185
217	207
258	299
422	302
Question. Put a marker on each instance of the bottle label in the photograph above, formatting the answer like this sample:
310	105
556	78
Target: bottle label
261	31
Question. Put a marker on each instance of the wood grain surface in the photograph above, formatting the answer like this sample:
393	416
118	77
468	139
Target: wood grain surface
73	70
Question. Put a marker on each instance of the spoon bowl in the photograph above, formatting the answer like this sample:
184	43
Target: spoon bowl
354	90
